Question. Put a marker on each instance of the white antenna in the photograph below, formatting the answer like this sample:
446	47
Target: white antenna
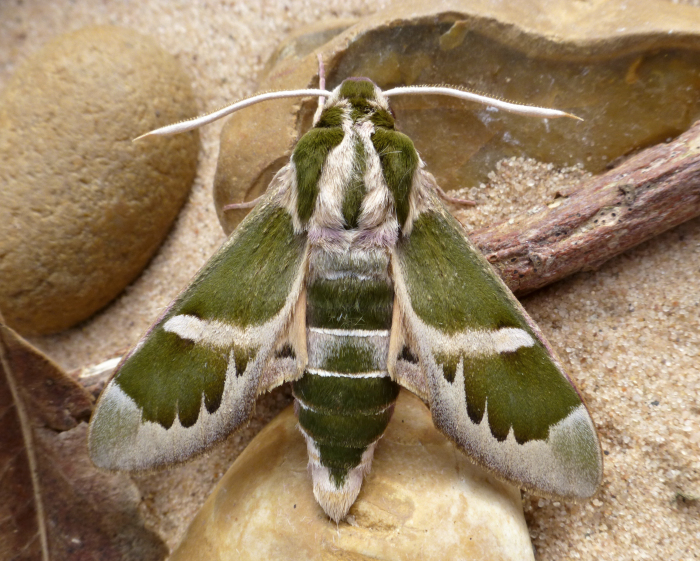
516	108
321	92
190	124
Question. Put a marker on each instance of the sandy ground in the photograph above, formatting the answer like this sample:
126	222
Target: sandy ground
628	333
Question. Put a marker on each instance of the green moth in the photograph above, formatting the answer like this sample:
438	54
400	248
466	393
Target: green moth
350	279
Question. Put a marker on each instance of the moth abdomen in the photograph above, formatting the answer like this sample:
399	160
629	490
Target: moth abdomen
345	397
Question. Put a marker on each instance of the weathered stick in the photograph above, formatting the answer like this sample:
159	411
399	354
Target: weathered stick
647	194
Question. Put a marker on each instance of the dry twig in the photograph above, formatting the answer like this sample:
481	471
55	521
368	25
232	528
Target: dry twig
650	192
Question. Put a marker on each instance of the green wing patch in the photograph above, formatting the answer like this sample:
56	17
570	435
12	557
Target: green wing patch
248	280
451	286
524	390
174	387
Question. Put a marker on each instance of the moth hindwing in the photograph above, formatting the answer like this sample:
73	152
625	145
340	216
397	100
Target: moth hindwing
349	278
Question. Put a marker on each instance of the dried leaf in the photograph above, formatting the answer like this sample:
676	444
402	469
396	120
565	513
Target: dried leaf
54	504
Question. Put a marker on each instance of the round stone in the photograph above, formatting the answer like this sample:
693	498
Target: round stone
83	208
423	500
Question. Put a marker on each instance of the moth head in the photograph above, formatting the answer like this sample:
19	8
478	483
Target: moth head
362	97
358	88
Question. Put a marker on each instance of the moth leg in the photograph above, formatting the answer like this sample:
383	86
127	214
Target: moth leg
454	200
321	73
321	86
243	205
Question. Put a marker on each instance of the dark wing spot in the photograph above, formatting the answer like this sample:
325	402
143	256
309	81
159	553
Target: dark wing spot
285	352
407	355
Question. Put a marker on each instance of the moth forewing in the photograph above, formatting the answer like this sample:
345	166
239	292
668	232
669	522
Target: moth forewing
495	386
349	278
195	375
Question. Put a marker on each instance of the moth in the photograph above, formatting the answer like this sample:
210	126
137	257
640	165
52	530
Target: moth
349	279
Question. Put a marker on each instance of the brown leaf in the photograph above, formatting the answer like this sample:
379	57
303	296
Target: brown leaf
54	504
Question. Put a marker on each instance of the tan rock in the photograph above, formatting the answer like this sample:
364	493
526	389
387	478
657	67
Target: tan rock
423	500
629	73
82	208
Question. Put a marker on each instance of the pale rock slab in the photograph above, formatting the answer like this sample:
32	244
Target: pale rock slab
614	65
423	500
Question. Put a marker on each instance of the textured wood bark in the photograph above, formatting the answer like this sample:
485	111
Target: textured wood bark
645	195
